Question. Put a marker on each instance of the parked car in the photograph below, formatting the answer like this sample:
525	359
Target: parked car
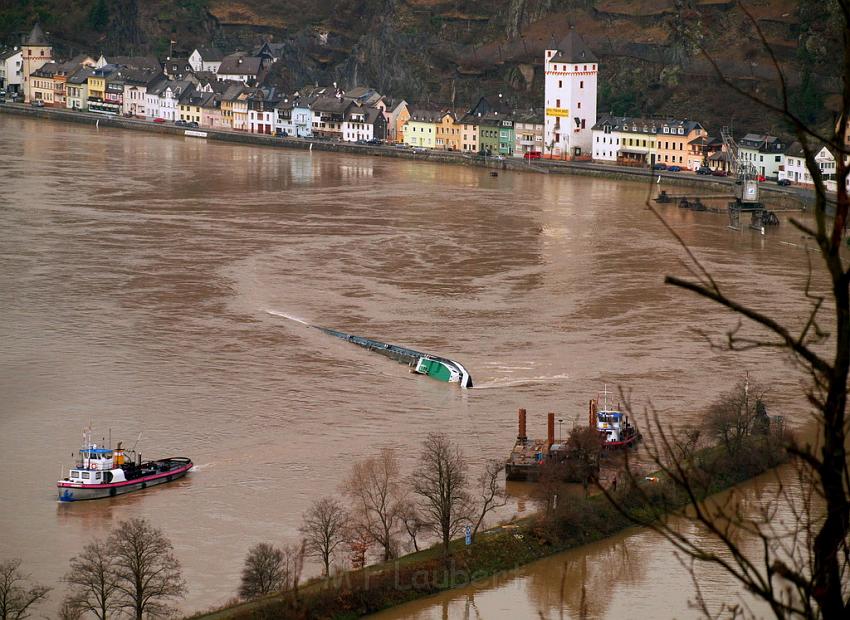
159	119
420	149
401	145
192	124
761	178
659	167
674	169
180	123
784	182
37	103
532	155
375	141
720	173
704	170
360	142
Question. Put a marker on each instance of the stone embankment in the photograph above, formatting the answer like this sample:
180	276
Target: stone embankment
775	196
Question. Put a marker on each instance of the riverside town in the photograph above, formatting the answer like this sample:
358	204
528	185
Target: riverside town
425	309
212	89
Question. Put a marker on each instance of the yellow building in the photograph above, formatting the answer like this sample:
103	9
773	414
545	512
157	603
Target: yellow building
449	133
227	99
421	129
191	105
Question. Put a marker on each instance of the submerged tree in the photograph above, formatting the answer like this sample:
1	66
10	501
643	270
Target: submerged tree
801	568
16	598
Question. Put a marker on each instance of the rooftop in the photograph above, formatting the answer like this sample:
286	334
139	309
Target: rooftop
572	48
36	36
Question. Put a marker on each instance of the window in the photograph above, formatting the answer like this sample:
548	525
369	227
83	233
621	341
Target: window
75	474
86	475
560	84
666	130
581	84
582	123
557	103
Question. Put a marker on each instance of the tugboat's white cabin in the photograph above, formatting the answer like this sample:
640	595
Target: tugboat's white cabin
98	466
611	423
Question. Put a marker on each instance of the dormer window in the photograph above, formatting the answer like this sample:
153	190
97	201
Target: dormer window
681	131
666	130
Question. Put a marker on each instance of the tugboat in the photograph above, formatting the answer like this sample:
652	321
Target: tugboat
614	427
104	472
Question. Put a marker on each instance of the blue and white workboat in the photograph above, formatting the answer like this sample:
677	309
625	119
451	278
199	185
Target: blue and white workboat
106	472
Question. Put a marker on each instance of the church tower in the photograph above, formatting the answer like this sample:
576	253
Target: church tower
570	91
36	52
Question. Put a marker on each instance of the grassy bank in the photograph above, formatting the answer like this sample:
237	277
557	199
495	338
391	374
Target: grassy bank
575	522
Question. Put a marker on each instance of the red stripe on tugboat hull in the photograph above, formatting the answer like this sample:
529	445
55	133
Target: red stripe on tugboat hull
73	491
621	444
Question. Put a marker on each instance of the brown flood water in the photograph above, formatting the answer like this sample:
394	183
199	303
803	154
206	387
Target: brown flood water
145	283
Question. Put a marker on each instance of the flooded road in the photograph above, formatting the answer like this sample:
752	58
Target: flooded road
146	281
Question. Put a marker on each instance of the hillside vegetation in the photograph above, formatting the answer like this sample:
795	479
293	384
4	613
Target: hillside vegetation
445	52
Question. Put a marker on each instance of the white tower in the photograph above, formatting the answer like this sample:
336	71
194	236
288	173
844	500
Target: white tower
571	72
36	53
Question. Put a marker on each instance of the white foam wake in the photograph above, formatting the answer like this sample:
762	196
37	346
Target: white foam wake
514	382
288	316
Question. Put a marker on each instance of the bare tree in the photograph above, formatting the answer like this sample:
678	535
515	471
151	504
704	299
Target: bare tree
490	494
94	581
735	415
147	573
16	598
412	522
324	530
293	565
440	481
374	487
801	569
583	452
264	571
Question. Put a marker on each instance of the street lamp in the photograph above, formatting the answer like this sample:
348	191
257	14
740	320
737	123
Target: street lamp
560	428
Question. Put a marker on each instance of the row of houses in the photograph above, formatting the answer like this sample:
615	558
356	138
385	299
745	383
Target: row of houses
220	91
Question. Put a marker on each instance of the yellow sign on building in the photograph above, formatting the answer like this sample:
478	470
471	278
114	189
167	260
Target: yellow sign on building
562	112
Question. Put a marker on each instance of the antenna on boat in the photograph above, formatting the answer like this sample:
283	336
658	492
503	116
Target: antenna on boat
133	449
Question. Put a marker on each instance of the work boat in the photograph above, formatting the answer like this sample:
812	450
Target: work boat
104	472
613	425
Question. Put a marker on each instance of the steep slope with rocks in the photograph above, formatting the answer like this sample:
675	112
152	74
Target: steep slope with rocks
652	52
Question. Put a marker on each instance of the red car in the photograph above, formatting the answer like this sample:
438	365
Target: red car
532	155
159	120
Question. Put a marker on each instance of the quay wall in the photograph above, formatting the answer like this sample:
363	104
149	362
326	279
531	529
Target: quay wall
775	197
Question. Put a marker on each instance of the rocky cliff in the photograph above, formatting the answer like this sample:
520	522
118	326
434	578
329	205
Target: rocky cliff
655	55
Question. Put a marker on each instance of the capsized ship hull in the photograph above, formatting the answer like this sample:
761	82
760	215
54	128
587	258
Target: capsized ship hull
439	368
